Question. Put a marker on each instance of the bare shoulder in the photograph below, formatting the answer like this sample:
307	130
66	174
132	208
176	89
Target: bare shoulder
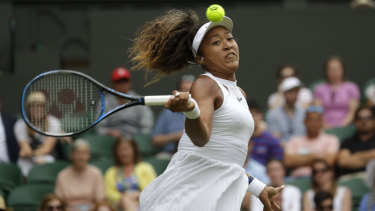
205	85
243	92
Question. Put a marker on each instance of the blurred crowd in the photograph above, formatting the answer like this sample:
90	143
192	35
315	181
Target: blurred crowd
318	140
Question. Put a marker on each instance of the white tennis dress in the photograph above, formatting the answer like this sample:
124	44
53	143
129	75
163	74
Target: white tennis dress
212	177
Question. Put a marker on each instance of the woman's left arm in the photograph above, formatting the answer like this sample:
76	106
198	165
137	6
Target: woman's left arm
47	147
353	105
347	201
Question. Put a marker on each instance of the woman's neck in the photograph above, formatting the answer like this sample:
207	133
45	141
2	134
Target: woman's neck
326	187
78	169
229	77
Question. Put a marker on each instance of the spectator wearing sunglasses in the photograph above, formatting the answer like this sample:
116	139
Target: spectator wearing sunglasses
52	202
358	150
339	98
323	179
323	201
301	151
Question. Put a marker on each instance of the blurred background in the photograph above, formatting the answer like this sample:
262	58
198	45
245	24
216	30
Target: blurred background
93	36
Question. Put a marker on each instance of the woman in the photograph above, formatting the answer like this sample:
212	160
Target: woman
51	202
207	171
338	97
36	148
80	185
125	180
368	200
323	179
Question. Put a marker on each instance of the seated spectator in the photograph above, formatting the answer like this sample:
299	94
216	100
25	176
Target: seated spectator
358	150
169	126
103	206
370	94
127	122
368	202
9	148
289	198
323	201
80	185
301	151
34	147
125	181
52	202
287	121
264	145
323	179
276	99
338	97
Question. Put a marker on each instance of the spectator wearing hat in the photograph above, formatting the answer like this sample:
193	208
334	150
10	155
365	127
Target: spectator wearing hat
287	120
34	147
301	151
170	125
276	99
127	122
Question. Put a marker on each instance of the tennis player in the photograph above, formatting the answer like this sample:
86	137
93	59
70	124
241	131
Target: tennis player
206	174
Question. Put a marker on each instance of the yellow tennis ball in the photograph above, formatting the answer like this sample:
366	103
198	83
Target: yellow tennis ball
215	13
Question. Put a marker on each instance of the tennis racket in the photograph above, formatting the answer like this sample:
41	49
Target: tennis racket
64	102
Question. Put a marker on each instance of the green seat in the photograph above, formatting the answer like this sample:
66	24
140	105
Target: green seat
46	173
358	188
316	83
342	132
302	183
28	197
100	145
10	176
159	164
144	143
102	163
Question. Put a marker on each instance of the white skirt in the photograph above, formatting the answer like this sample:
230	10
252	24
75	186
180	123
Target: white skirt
195	183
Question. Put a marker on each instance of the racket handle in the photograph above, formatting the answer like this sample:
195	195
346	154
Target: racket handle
158	100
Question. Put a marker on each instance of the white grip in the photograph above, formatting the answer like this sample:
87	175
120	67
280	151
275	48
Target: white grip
157	100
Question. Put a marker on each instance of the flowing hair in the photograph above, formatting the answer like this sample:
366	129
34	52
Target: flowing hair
164	45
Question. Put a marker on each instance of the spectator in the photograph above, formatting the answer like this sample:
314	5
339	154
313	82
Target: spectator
52	202
264	145
368	200
170	125
301	151
323	201
323	179
80	185
125	181
370	94
127	122
276	99
338	97
9	148
103	206
287	121
36	148
358	150
289	198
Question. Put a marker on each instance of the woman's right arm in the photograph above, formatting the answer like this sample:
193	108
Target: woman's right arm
206	93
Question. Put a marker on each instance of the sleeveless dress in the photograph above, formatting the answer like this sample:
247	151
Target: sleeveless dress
212	177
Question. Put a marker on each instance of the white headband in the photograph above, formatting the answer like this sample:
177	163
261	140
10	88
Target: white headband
226	22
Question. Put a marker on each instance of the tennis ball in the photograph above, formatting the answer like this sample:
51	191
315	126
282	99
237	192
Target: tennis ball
215	13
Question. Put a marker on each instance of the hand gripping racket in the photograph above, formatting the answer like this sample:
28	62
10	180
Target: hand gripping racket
65	102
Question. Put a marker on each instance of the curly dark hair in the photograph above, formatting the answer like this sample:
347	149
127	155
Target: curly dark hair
164	45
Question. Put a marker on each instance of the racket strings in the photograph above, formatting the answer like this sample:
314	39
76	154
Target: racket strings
69	102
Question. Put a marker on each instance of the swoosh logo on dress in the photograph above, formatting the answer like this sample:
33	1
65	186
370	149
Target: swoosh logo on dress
239	99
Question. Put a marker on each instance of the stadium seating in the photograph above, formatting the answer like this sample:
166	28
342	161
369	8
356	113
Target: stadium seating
46	173
357	187
28	197
342	132
102	163
302	183
100	145
144	143
159	164
10	177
